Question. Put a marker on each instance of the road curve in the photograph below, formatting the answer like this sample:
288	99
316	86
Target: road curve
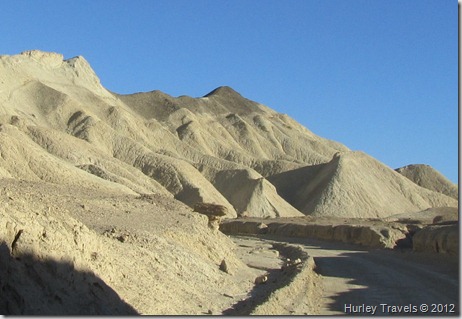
382	282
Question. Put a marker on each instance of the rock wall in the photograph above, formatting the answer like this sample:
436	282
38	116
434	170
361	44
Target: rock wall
442	239
369	236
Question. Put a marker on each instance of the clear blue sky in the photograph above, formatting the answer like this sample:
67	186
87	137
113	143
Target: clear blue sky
377	76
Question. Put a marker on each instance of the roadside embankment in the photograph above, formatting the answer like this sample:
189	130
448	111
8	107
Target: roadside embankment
289	285
303	292
371	235
437	238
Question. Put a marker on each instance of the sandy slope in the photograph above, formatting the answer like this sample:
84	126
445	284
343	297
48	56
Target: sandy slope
96	191
77	251
428	177
354	184
65	248
60	125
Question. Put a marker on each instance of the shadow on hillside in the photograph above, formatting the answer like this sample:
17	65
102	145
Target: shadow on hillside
30	286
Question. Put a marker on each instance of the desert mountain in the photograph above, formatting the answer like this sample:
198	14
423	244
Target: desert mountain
427	177
60	125
354	184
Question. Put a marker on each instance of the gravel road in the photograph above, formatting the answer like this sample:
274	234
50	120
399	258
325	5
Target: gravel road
382	282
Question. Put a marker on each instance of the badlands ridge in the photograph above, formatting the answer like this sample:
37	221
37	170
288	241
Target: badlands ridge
97	189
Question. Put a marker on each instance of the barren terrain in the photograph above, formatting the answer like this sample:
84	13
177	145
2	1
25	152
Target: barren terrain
352	275
97	191
156	256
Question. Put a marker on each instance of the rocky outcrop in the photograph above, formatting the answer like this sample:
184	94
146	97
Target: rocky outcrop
365	235
214	213
442	239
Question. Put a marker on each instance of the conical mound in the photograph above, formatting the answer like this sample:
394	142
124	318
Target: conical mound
354	184
428	177
62	126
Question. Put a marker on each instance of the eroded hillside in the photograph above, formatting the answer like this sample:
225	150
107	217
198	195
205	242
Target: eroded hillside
96	191
60	125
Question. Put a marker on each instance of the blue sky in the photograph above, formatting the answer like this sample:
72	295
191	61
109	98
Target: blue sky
377	76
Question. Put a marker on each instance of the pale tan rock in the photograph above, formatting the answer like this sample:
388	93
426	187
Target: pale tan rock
426	176
261	279
75	158
443	239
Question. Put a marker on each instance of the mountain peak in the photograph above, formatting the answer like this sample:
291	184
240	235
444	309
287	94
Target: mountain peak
46	58
56	60
224	91
50	68
80	64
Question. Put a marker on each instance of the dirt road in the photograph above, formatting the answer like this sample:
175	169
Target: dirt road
382	282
